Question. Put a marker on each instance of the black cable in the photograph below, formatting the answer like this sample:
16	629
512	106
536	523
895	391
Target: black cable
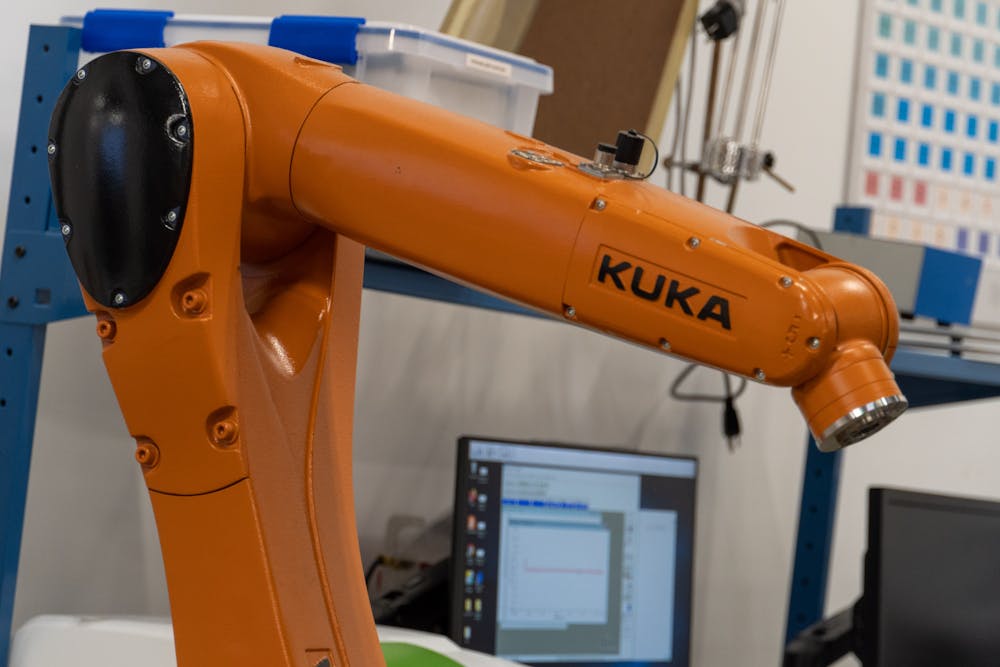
808	231
656	158
730	417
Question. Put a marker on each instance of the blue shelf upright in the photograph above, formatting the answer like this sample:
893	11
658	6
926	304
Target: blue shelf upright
37	286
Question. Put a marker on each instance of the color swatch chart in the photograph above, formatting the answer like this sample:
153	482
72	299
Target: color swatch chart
925	147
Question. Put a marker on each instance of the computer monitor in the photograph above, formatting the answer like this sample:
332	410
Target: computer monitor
932	582
572	555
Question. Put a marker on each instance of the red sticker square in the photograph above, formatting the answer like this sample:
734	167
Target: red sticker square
920	193
896	188
871	184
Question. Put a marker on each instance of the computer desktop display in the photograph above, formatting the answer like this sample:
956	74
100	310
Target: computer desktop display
573	556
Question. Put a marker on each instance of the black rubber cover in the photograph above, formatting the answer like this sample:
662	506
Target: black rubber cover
120	156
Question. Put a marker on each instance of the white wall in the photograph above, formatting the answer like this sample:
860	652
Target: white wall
429	372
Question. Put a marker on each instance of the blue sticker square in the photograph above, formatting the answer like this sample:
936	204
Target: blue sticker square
878	105
960	9
990	169
910	32
874	144
984	242
946	158
993	131
903	110
963	238
927	115
978	51
906	71
956	44
882	67
969	164
885	26
972	126
899	150
981	13
996	55
935	5
930	77
949	120
975	88
953	78
933	38
995	94
924	154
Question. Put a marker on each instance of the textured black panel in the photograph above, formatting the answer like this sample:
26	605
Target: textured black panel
120	154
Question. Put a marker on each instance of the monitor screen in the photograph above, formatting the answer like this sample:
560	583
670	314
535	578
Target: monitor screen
932	581
571	555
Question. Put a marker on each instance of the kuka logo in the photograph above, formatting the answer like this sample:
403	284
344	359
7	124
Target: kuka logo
629	277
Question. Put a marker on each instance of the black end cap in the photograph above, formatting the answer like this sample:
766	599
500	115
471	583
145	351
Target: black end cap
121	147
629	147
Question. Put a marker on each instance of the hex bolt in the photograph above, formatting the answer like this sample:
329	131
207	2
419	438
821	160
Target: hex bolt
664	344
693	242
66	229
147	454
106	330
569	311
193	302
225	432
813	343
600	204
785	281
118	298
20	251
759	374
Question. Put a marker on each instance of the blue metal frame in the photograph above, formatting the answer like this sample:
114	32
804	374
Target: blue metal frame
37	286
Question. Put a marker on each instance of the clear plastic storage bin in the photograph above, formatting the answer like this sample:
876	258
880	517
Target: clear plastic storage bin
494	86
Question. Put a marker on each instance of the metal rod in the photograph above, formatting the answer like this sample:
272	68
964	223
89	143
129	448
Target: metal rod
949	333
741	111
765	86
713	89
949	347
734	56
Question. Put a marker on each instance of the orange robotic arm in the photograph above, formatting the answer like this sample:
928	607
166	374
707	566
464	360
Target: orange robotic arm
215	200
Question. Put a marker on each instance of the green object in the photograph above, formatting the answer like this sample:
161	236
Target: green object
407	655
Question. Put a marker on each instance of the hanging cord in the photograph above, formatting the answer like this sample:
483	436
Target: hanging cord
805	229
730	417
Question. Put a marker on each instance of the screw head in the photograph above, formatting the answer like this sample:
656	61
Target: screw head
813	343
144	65
172	216
693	242
785	281
225	432
600	204
759	374
13	302
147	454
81	74
664	344
118	298
20	251
182	130
51	150
65	229
106	330
570	312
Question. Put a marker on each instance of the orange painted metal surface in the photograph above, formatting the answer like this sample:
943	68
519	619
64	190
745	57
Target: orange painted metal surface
236	375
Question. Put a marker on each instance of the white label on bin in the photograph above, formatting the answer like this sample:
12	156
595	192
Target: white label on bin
484	64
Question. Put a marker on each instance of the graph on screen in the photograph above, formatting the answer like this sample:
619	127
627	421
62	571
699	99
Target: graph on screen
554	587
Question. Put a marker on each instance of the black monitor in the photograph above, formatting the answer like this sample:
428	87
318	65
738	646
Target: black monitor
932	582
573	555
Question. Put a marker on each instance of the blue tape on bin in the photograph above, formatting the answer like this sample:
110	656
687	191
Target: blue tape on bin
116	29
329	38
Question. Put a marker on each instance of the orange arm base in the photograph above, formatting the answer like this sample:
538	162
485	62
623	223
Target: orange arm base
236	373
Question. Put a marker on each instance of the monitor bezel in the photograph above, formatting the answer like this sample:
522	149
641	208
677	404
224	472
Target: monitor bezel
461	463
867	634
